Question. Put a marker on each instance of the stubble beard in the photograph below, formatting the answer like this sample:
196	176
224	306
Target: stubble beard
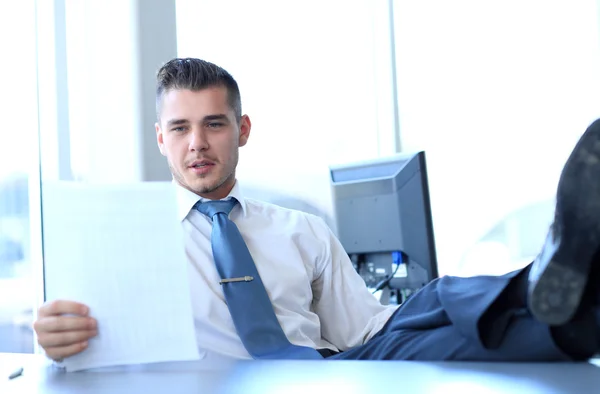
179	178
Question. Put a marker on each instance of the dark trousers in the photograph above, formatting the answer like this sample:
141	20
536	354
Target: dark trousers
480	318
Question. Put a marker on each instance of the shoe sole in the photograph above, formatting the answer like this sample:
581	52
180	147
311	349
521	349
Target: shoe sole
559	276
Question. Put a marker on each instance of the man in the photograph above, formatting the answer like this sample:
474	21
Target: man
269	282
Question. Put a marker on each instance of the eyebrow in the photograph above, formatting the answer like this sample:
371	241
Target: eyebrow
207	118
215	117
176	122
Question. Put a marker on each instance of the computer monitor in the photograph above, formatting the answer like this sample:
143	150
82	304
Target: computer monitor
382	207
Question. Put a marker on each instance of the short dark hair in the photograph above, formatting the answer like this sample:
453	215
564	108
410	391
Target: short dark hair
196	74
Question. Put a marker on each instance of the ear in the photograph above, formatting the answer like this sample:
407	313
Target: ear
159	139
245	126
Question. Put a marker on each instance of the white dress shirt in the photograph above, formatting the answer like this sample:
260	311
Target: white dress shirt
319	299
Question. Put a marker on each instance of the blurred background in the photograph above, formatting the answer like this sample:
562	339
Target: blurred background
495	92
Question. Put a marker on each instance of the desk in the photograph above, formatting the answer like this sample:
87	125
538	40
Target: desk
312	377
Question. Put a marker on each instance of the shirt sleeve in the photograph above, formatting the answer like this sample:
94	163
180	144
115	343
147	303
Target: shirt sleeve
349	314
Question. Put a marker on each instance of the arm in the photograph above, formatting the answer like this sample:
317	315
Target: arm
350	315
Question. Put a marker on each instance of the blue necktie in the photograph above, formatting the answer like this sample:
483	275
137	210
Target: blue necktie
248	302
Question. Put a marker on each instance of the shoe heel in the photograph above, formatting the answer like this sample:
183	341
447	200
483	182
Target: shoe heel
557	293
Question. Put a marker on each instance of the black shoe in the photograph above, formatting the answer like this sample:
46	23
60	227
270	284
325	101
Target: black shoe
559	275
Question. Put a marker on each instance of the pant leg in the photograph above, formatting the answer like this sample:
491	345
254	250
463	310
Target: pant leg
443	322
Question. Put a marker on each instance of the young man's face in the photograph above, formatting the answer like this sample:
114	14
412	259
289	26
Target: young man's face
199	135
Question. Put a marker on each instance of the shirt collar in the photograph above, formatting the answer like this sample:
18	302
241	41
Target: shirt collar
187	199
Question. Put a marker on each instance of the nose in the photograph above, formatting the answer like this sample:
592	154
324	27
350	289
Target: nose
198	140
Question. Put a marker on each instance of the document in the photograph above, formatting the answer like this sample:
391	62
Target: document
119	249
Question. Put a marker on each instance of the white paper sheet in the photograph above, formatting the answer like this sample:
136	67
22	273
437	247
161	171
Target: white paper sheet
119	249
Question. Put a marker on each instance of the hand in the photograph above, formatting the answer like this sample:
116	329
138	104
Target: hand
62	336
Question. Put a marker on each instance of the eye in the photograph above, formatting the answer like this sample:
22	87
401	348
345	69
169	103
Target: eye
214	125
179	129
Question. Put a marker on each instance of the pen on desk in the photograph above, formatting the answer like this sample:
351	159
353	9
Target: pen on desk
15	374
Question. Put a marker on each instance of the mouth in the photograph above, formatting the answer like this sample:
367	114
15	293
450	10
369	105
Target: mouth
201	166
201	163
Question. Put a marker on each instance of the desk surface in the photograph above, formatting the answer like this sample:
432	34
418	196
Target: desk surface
311	377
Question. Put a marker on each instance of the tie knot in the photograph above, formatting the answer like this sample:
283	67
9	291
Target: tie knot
211	208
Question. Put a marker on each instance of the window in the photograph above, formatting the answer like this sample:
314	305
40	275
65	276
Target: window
497	93
18	170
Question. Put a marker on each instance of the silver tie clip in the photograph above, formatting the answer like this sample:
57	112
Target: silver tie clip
240	279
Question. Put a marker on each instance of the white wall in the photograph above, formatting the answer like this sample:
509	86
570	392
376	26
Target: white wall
113	50
311	80
497	93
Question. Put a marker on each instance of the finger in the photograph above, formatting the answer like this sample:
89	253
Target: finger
60	307
59	353
64	323
50	340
